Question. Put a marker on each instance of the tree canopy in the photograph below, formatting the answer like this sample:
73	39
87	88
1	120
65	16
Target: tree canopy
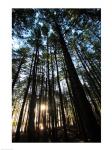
56	75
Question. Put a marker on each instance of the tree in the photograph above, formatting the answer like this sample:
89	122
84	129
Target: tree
56	75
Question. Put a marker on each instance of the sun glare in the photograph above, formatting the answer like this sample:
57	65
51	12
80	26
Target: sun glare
43	107
41	126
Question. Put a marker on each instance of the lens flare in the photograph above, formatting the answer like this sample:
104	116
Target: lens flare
43	107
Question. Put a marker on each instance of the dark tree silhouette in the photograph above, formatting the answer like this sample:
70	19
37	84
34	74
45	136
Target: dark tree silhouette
56	75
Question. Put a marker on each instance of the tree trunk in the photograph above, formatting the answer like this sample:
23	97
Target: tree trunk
61	101
17	73
90	79
54	117
17	135
91	128
32	103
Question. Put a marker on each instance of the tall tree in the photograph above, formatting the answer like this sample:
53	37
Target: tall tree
56	75
91	128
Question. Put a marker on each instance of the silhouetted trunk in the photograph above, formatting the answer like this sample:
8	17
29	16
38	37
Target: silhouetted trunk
90	79
93	103
40	95
90	126
61	100
54	118
17	135
77	123
92	65
32	103
89	70
49	90
17	73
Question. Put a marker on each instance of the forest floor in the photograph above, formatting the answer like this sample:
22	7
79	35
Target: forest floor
46	136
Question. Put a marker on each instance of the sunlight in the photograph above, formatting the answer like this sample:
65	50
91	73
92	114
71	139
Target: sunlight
41	126
43	107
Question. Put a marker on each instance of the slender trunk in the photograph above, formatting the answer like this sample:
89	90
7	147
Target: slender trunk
17	73
93	67
17	136
40	97
54	118
90	84
61	101
49	89
90	79
32	103
92	74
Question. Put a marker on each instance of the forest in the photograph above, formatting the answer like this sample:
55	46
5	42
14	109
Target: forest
56	75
